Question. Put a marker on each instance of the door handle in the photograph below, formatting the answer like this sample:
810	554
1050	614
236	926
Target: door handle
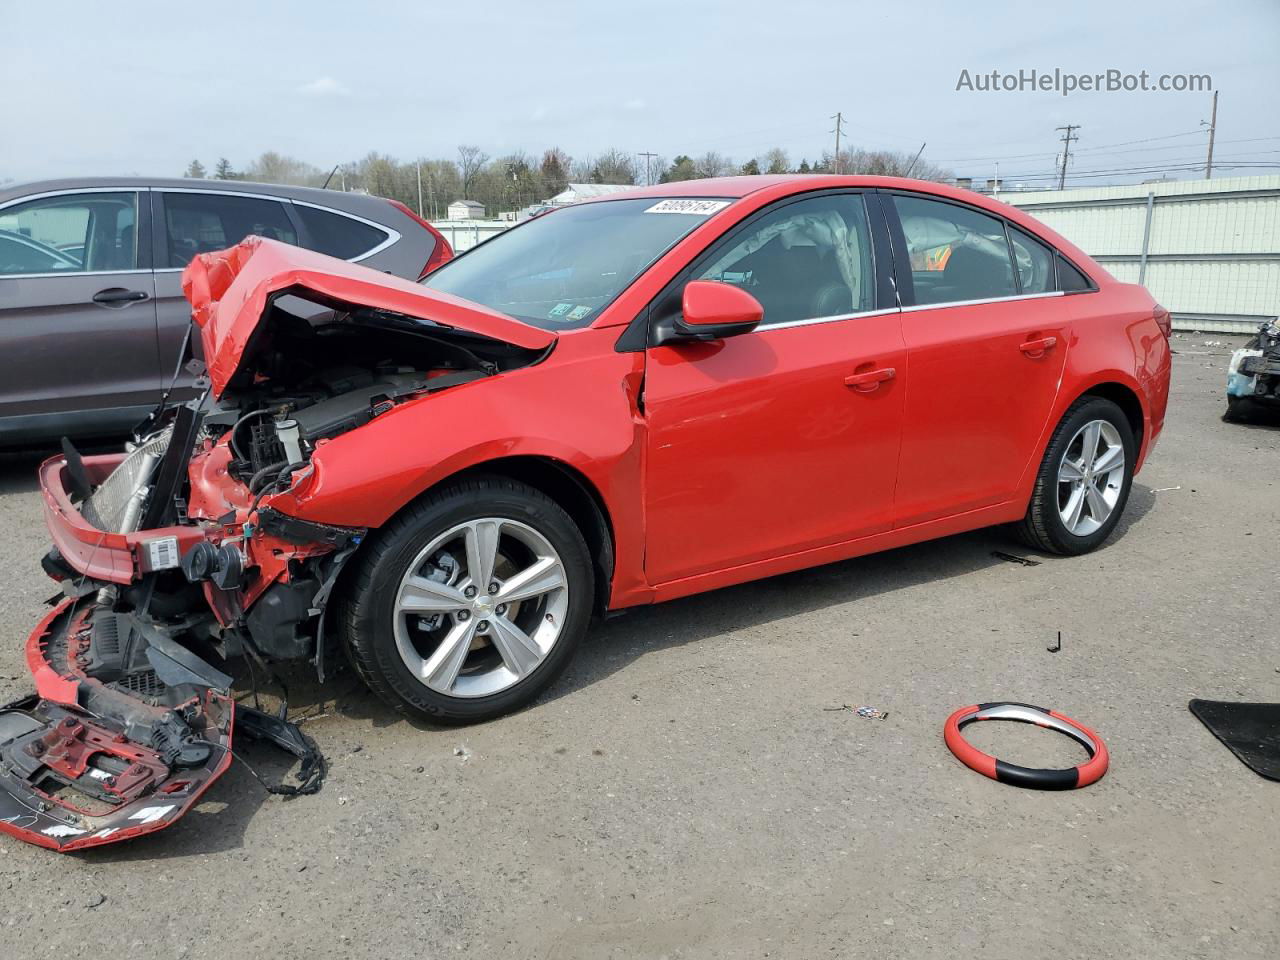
119	296
871	380
1037	348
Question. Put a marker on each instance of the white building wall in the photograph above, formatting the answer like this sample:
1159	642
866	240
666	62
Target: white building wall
465	234
1213	254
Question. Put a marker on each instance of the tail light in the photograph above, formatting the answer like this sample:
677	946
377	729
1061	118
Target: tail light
1164	321
441	252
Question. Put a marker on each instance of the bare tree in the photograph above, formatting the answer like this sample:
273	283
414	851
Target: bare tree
614	166
471	161
712	164
889	163
272	167
195	170
776	161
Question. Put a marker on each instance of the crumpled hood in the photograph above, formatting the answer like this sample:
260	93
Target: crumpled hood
230	290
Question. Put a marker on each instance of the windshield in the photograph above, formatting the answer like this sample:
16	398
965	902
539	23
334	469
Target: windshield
560	270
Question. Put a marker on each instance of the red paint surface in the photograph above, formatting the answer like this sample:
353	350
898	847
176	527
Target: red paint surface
715	463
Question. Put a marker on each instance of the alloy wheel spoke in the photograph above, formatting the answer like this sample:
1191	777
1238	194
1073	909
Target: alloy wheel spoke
1069	472
441	669
482	551
1089	443
1098	508
1074	508
1108	460
421	595
542	576
519	651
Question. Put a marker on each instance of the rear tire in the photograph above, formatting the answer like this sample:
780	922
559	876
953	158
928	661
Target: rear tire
1082	487
429	637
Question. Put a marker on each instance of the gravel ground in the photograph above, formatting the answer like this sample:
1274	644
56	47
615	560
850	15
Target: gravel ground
685	793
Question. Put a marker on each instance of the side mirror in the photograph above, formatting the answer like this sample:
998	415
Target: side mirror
711	310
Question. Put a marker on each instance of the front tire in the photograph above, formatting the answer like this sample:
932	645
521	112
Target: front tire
1084	480
470	603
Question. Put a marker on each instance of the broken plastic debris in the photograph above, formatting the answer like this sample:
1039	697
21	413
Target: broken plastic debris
1014	558
867	713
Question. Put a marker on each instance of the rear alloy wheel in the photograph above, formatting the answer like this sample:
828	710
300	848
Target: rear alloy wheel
1084	479
470	604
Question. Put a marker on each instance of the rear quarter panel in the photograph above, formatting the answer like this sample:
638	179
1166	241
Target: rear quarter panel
1114	339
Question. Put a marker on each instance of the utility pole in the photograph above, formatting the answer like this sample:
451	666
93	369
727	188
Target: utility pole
647	156
1066	151
1213	126
839	119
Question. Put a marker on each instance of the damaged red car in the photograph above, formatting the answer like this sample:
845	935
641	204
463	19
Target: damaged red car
617	403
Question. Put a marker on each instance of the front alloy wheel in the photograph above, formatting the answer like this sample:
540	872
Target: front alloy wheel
470	602
480	607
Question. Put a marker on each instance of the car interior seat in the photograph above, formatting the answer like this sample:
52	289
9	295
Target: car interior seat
971	274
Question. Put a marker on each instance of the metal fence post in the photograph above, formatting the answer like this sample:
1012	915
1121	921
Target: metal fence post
1146	237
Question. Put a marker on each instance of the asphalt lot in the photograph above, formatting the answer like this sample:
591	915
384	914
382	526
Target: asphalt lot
684	793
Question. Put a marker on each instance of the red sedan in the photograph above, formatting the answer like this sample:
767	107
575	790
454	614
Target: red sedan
624	401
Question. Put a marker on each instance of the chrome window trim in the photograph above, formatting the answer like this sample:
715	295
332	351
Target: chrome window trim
811	321
70	273
970	303
71	193
391	235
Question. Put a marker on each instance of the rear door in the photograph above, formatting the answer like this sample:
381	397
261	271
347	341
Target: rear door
78	350
189	222
986	338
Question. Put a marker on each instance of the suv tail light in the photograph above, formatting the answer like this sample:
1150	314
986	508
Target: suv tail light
441	252
1164	321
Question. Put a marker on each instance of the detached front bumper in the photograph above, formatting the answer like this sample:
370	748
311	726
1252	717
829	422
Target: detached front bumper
86	762
129	725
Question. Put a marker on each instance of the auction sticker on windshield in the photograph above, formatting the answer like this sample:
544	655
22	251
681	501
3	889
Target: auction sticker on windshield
701	208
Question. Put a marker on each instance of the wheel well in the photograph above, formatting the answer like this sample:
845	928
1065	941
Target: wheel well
573	492
1126	400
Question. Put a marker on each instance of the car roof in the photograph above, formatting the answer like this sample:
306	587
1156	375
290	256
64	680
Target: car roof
783	183
359	203
776	186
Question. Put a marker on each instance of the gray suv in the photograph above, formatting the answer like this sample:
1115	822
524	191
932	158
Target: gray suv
91	309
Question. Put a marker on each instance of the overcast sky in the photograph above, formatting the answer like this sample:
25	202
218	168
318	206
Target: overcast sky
143	87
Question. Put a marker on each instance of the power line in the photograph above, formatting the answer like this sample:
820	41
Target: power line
1101	146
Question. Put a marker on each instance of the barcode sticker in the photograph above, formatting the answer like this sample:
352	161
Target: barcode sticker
162	554
699	208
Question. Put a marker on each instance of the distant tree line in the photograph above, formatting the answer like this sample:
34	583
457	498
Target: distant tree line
518	179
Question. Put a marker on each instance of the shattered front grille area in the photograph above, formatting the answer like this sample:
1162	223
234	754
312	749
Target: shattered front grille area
145	684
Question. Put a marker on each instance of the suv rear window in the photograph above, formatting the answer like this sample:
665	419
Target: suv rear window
336	235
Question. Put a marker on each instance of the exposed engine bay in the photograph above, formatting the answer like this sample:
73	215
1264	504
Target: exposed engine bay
177	571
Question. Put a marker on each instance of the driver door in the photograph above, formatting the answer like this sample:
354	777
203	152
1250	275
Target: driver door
786	438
